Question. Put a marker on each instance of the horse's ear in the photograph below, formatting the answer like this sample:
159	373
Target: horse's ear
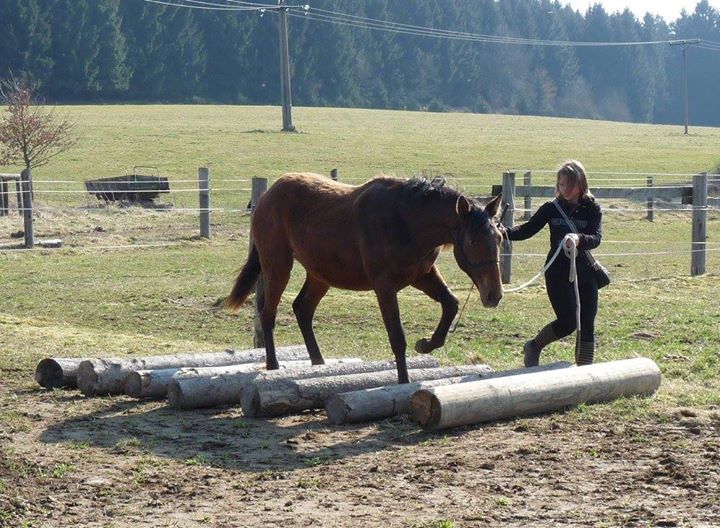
463	206
493	206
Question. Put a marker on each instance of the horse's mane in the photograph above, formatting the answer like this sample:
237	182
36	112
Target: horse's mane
424	188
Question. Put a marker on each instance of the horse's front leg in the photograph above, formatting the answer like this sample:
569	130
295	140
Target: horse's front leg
433	285
387	299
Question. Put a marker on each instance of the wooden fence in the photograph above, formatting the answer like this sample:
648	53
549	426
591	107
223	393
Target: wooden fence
24	197
6	194
695	195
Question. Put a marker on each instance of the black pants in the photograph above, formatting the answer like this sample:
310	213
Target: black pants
562	297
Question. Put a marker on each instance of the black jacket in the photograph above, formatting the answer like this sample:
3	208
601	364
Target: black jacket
587	217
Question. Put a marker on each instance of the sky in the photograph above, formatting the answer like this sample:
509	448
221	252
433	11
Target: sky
668	9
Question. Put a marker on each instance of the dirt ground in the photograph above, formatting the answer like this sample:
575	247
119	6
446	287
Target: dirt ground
72	461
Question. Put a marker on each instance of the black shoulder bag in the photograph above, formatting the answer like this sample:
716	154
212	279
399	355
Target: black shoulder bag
601	272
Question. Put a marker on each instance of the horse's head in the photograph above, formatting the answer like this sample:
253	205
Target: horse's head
477	247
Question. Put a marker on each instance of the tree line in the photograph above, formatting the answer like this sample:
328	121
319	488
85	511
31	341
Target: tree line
134	51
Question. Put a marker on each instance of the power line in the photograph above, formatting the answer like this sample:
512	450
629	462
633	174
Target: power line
346	19
343	19
205	6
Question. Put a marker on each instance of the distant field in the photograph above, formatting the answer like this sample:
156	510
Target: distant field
240	142
133	281
166	293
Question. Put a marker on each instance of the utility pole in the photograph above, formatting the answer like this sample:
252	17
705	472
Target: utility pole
285	93
685	45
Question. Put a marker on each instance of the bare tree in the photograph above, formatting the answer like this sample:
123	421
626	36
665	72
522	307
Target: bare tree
30	135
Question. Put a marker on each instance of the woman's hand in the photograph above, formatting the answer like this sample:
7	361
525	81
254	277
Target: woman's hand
503	230
572	240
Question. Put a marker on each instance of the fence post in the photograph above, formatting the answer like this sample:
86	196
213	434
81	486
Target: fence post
333	174
259	186
18	194
699	224
204	186
527	181
508	192
27	207
650	200
4	197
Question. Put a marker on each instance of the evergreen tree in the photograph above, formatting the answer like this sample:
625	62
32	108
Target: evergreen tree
25	38
113	73
70	57
134	50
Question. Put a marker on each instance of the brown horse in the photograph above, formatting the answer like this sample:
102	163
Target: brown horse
383	235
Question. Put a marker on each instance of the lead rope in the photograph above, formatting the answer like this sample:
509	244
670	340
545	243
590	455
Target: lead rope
571	252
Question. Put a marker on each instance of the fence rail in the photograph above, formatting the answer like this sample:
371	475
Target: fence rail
695	194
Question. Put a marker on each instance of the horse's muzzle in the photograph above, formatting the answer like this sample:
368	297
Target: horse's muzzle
491	301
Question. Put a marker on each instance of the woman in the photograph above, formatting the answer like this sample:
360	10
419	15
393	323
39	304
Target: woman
574	197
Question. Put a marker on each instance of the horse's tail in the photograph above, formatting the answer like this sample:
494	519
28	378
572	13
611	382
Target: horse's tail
245	281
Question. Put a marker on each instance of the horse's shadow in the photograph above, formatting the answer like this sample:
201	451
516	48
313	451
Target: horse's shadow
224	438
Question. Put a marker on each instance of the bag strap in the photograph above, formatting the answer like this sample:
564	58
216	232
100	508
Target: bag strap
575	230
567	219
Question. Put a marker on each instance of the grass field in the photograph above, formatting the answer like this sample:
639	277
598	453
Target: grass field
84	300
133	281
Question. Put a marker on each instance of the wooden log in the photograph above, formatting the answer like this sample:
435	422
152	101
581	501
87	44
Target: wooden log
196	392
286	396
108	376
391	400
526	394
153	384
55	373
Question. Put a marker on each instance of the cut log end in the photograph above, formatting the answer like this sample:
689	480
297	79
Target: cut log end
87	378
134	384
426	409
49	374
336	410
250	402
175	395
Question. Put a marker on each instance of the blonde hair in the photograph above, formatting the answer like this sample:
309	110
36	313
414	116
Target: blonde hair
574	173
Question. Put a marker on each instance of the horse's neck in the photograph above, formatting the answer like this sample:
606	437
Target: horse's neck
437	225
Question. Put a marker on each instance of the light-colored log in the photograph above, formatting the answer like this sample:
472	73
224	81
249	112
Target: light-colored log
196	392
391	400
108	376
200	388
54	373
526	394
280	397
153	384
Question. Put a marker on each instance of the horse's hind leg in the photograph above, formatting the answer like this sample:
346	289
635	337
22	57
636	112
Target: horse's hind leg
433	285
304	307
276	275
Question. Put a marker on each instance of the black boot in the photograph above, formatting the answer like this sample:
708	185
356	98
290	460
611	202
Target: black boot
533	347
585	353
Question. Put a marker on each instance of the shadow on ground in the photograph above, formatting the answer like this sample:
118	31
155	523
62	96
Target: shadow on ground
223	438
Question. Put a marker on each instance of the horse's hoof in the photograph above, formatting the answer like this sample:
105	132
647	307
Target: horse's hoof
423	346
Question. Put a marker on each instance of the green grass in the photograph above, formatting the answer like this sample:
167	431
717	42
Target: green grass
87	301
